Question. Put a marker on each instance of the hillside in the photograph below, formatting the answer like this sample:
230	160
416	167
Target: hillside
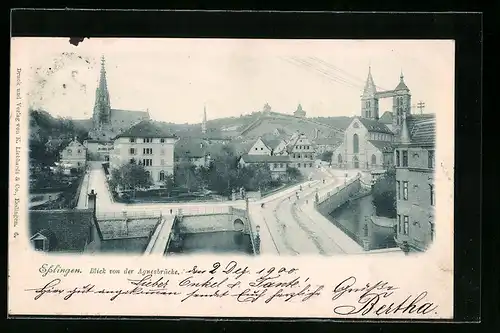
338	122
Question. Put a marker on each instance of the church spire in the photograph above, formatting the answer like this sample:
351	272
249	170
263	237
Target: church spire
204	123
370	88
102	107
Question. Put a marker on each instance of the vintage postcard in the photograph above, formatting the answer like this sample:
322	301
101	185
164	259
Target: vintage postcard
231	178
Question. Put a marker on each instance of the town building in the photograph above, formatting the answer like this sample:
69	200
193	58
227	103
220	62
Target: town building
108	122
301	152
278	165
66	230
192	150
414	157
323	145
300	113
74	155
148	144
264	146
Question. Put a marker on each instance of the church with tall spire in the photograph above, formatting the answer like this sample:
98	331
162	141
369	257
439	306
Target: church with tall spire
108	122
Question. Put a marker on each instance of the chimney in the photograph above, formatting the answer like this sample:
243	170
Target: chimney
92	201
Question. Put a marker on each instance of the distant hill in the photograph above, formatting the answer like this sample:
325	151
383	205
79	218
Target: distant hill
338	122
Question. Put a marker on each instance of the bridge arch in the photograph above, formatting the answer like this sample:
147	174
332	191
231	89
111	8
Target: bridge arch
238	225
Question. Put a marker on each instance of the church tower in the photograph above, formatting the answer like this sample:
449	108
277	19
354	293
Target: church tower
204	123
369	100
401	104
102	107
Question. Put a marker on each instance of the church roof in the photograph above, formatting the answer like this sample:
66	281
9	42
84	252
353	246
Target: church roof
126	118
328	141
383	146
386	118
67	230
374	126
146	129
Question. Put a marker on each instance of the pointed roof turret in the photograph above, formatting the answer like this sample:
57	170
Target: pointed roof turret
402	85
370	88
405	133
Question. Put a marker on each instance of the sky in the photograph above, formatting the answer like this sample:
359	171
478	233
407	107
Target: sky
174	79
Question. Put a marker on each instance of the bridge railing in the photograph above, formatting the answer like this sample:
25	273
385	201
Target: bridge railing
322	198
129	215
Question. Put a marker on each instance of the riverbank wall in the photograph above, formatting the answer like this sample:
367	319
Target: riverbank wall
337	197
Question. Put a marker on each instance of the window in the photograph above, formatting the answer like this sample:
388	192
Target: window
39	244
398	189
162	140
374	159
430	159
431	188
148	174
399	223
355	144
162	162
405	190
79	151
406	225
132	151
162	176
281	165
405	158
355	125
261	148
148	140
256	148
310	165
147	151
298	165
70	152
132	161
147	162
132	140
397	158
78	163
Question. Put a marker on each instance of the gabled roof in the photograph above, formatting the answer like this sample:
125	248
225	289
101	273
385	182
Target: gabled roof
423	132
383	146
374	126
271	143
146	129
189	147
386	118
265	158
70	228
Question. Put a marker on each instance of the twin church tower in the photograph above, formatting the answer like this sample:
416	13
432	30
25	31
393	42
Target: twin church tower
401	101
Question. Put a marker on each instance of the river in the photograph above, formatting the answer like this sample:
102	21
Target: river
351	219
212	242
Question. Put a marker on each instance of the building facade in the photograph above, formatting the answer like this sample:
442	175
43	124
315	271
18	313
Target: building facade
367	144
278	165
74	155
414	157
301	152
146	144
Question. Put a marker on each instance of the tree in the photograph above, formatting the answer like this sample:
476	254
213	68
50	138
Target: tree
384	194
187	177
293	174
131	176
169	184
326	156
261	177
